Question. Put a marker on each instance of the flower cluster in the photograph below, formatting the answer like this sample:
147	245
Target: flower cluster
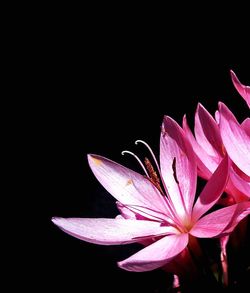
161	209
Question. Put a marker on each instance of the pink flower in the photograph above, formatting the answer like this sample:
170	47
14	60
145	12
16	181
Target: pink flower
236	138
158	211
243	90
212	142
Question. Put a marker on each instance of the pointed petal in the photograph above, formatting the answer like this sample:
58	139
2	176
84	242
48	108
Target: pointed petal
111	231
128	187
235	139
243	90
156	254
214	224
241	184
207	133
206	164
180	179
242	211
217	116
212	190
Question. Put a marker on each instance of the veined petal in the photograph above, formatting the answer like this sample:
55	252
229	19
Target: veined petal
206	164
243	90
246	126
155	255
125	212
128	187
212	190
145	213
111	231
242	210
214	224
241	184
235	139
207	133
178	166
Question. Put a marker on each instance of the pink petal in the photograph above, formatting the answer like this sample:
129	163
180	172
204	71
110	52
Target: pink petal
246	126
206	164
207	133
128	187
217	116
241	184
125	212
235	195
212	190
175	147
214	224
235	139
156	254
243	90
242	210
141	213
111	231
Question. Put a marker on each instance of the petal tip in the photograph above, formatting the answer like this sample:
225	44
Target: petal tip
94	160
232	73
56	220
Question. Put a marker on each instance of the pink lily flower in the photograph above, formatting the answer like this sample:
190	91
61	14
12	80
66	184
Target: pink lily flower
236	140
158	210
243	90
210	149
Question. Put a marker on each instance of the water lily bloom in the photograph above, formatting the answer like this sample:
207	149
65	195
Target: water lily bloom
158	209
243	90
213	139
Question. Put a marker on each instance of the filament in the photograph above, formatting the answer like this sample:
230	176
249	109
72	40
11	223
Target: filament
151	152
138	160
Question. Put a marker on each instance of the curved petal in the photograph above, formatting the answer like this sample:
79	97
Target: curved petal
217	116
242	210
206	164
212	190
234	194
235	139
111	231
126	213
178	166
155	255
241	184
246	126
214	223
243	90
207	133
128	187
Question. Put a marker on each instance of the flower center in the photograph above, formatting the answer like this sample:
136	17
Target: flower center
155	177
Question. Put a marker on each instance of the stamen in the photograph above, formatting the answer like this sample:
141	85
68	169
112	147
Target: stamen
153	175
156	163
168	199
151	152
174	170
138	160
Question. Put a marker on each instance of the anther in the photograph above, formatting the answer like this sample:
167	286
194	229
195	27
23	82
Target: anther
151	152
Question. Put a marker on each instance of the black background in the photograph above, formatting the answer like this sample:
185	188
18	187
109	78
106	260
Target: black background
104	82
